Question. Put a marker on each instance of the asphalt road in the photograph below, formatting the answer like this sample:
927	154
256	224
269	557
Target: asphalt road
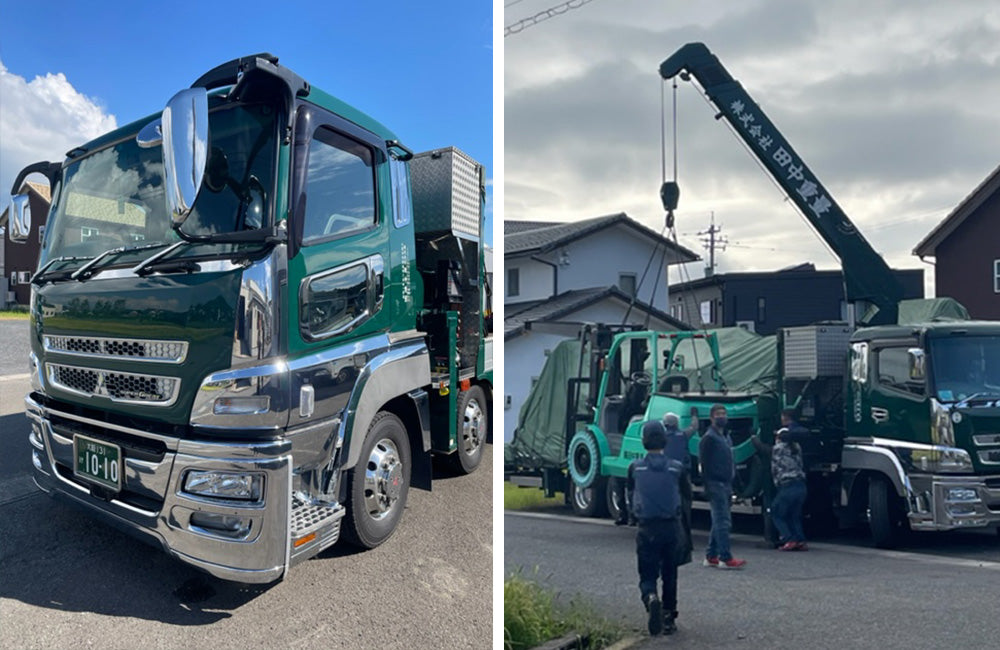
14	347
69	582
837	595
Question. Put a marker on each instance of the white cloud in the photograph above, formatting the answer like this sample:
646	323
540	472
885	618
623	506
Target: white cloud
42	119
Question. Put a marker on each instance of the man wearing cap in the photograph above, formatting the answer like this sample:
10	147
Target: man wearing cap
655	500
715	453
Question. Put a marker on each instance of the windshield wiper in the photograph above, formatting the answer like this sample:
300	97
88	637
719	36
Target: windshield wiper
43	275
980	395
88	269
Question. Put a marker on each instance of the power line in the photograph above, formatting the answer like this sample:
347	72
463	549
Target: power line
541	16
512	3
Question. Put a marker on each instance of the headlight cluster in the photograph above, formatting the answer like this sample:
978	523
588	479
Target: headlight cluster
224	485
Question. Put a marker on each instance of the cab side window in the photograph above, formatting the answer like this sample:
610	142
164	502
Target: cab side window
894	371
340	188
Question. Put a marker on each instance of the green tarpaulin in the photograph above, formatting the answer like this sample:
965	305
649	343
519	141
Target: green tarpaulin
925	311
539	439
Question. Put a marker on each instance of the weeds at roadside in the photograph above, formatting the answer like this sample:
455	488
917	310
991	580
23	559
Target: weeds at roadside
532	616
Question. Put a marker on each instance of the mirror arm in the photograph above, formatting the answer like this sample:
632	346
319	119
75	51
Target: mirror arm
48	169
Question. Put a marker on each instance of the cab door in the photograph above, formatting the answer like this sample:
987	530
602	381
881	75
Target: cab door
898	409
341	215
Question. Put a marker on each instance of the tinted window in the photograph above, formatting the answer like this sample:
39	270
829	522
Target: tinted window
340	187
894	370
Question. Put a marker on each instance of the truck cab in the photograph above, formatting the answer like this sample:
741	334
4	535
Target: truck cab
250	330
923	408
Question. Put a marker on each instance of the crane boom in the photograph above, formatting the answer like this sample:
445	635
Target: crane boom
867	278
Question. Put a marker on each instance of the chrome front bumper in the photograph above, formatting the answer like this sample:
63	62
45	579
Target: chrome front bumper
950	502
153	505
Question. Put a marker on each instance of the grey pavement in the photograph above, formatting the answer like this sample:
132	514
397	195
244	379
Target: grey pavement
837	595
14	347
67	581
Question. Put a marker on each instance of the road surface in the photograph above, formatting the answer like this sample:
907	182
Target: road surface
67	581
838	595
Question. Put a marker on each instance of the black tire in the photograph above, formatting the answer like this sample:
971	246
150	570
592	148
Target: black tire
886	517
377	486
472	431
589	501
615	497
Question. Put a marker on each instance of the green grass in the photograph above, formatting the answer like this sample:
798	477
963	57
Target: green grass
532	616
14	314
528	498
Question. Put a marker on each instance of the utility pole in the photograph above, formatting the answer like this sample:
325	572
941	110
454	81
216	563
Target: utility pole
711	240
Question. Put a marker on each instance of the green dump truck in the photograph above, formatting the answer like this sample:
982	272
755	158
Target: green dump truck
903	401
256	317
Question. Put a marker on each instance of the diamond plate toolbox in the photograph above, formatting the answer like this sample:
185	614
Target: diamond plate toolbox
445	185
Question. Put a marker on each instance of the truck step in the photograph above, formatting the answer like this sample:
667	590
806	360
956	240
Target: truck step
319	523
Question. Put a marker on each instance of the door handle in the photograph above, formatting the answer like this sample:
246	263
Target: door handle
880	415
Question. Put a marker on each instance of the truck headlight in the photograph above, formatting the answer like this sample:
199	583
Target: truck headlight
942	459
953	459
956	495
224	485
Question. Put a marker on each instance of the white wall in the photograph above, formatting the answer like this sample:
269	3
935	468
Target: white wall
535	280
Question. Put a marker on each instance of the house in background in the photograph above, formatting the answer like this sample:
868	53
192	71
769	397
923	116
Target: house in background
21	260
560	275
966	251
762	302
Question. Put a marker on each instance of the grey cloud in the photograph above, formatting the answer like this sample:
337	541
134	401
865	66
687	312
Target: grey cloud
898	128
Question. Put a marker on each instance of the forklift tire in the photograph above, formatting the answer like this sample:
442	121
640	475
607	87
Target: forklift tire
584	459
589	501
378	484
473	429
885	513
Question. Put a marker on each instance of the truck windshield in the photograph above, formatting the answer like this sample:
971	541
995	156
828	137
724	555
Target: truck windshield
964	366
114	197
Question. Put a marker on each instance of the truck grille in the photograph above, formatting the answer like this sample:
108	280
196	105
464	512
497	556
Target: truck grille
137	349
121	387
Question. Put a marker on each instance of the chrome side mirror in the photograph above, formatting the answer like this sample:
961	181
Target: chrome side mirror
20	218
918	364
150	135
184	124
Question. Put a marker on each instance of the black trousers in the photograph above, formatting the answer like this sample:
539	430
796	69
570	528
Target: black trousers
656	550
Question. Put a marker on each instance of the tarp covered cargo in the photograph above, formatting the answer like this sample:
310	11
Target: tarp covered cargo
930	309
539	438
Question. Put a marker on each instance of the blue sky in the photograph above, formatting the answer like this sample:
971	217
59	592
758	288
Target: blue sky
422	69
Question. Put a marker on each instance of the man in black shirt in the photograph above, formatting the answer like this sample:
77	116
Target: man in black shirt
655	498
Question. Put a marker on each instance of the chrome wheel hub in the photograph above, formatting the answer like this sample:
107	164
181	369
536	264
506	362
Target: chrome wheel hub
383	479
472	427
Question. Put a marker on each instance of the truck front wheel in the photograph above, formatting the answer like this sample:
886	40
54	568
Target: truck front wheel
378	484
885	513
473	429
